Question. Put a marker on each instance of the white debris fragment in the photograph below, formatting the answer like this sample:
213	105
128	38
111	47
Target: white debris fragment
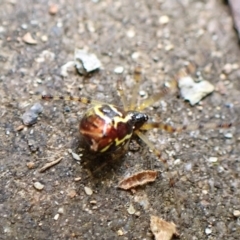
135	55
120	232
56	216
86	62
75	155
163	19
169	47
60	210
130	33
119	69
208	231
131	210
228	135
38	186
194	91
236	213
69	66
213	159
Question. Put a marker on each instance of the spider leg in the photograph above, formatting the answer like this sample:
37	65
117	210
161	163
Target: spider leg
137	78
171	87
157	96
121	95
84	100
145	139
190	127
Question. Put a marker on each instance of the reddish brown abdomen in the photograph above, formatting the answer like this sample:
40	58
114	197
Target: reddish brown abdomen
105	129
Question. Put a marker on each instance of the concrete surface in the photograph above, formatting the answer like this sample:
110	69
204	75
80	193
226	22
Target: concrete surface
200	190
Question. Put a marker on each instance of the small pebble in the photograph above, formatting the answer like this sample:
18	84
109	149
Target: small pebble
53	9
227	69
131	33
236	213
29	118
27	38
30	165
204	192
138	213
163	19
44	38
20	128
67	109
90	26
34	22
37	108
135	55
169	47
88	191
235	66
120	232
31	115
200	32
2	29
143	94
188	166
223	76
119	69
213	159
77	179
238	221
228	135
38	186
24	26
131	210
72	193
60	210
86	62
56	216
208	231
177	161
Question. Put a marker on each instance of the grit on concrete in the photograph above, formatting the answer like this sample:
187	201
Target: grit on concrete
200	190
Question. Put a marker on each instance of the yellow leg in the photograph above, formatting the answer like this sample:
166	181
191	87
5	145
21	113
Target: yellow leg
172	86
84	100
191	127
121	95
137	78
144	138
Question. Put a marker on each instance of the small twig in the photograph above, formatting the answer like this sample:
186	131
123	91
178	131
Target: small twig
48	165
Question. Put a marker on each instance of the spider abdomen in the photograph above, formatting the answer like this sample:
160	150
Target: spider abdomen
106	128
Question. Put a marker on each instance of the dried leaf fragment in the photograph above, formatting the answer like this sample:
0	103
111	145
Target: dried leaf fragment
27	38
161	229
138	179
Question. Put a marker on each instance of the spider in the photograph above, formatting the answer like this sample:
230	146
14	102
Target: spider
107	128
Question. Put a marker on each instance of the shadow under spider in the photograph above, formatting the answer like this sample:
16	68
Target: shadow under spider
99	166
